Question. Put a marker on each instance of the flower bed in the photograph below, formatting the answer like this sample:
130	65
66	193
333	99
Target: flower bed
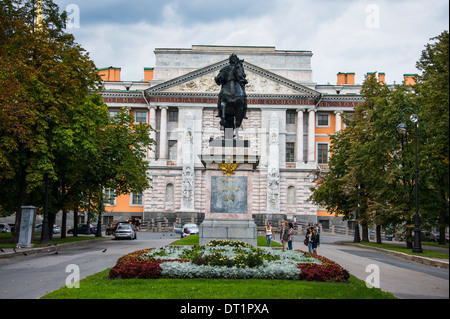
226	259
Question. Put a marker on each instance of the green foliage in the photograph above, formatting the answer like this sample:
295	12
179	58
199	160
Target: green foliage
372	168
53	122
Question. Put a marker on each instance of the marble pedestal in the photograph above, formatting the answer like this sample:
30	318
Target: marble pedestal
228	194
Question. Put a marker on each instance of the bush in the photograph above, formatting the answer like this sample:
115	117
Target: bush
327	271
151	270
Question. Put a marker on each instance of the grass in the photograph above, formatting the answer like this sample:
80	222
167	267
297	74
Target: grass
194	240
403	249
99	286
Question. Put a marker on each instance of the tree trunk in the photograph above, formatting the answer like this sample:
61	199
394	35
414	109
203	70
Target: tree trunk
75	222
378	234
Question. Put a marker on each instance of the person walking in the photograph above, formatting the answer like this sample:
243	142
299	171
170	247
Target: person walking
309	240
315	240
268	232
290	235
284	235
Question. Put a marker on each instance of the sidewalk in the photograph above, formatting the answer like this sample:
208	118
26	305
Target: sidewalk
9	252
434	262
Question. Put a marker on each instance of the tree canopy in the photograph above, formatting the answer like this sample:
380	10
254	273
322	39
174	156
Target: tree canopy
54	125
371	170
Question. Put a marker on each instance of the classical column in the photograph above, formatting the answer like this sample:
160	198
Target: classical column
312	136
300	156
163	143
152	122
338	121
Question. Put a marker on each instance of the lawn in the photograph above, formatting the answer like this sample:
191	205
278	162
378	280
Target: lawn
100	286
402	248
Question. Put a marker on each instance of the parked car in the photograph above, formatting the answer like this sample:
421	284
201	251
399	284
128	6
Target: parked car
178	228
4	228
12	226
193	230
125	231
56	229
438	236
81	229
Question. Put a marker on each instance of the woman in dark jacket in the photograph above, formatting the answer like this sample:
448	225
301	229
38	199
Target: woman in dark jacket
315	239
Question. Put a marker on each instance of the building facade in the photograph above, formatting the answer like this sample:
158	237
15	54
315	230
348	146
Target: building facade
290	120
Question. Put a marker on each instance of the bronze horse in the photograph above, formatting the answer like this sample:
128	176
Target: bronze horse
232	102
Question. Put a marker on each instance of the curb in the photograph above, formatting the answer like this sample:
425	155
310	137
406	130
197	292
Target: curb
433	262
52	248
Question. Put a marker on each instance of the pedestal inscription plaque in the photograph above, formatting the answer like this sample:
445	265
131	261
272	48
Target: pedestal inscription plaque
229	194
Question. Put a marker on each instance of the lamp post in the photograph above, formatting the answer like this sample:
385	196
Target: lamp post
403	128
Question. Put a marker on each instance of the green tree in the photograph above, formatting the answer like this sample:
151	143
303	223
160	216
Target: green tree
55	128
433	97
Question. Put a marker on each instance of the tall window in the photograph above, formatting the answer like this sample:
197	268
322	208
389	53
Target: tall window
110	196
323	119
172	150
290	117
290	152
137	198
112	114
322	156
141	116
173	115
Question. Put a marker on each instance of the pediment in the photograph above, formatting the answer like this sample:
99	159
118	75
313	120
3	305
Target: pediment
260	83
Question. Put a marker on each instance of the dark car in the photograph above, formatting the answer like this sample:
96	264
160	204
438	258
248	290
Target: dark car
81	229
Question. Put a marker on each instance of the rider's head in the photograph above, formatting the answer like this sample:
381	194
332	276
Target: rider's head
234	59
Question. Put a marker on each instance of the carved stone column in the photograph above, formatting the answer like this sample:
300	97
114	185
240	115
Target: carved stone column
188	182
273	171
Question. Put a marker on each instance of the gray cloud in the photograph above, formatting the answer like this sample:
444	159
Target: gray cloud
345	36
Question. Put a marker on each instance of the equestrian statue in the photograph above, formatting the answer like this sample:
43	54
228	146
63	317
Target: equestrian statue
232	102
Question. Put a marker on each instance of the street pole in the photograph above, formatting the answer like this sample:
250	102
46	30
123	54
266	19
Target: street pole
402	127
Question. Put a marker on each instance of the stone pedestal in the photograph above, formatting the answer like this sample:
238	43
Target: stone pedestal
27	227
228	193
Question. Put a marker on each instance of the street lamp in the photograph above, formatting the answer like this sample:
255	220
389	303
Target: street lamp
403	128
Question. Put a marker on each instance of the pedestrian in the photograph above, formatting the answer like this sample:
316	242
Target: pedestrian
315	240
284	234
138	224
268	231
295	221
308	239
290	235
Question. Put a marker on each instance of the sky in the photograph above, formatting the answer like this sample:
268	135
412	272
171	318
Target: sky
344	35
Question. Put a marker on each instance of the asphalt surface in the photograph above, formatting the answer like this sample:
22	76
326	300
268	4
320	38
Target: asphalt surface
33	276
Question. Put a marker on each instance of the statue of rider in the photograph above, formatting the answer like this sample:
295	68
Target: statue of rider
228	94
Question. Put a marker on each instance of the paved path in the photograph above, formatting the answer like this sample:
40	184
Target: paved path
33	276
404	279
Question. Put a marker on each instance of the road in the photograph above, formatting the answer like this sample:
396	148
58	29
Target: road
31	277
404	279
